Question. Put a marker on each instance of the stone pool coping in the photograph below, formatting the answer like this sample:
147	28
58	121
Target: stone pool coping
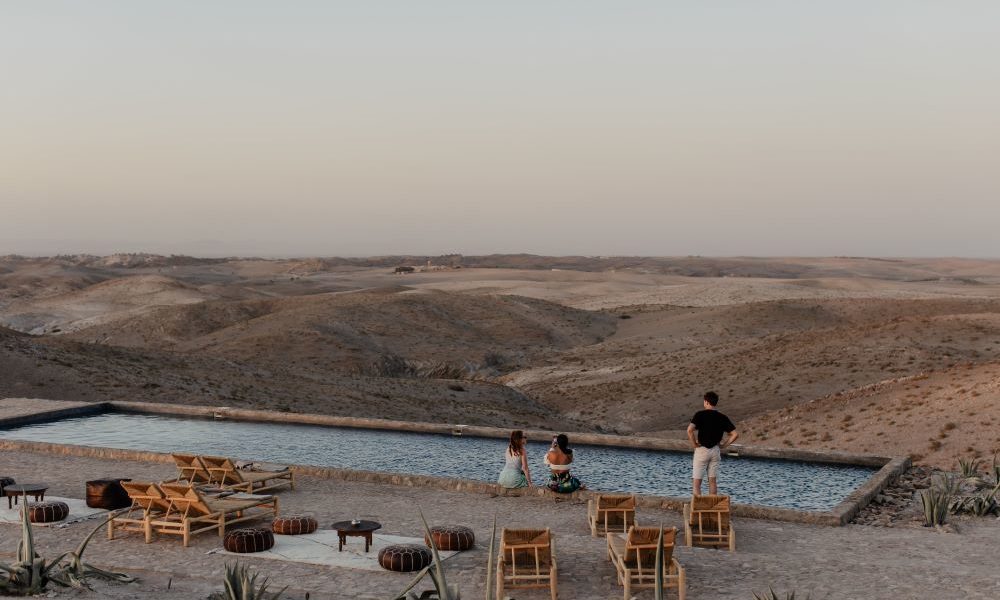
889	467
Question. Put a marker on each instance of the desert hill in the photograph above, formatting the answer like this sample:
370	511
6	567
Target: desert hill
351	331
937	417
758	356
57	367
104	301
620	343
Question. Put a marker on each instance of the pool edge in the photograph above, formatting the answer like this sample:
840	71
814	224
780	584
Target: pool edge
889	467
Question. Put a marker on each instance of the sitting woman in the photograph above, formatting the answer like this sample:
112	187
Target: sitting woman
515	472
558	460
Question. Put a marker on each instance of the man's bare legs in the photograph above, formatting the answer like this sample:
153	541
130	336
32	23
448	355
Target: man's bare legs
696	486
713	488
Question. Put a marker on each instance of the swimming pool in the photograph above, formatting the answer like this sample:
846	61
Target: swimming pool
765	482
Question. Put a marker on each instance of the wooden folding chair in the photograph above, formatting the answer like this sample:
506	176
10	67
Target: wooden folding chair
708	522
527	560
610	512
634	558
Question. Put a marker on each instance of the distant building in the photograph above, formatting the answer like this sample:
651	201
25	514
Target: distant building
403	270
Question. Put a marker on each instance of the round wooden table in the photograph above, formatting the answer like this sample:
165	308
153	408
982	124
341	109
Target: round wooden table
363	529
24	489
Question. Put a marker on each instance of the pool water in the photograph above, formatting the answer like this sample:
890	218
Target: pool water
778	483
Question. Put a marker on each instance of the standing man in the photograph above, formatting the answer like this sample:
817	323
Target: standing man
711	426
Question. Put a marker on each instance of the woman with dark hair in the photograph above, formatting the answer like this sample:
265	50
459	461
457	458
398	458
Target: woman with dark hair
515	472
558	459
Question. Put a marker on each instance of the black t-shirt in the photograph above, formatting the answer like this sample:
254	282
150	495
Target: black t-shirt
711	424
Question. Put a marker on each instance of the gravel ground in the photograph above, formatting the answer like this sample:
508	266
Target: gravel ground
852	562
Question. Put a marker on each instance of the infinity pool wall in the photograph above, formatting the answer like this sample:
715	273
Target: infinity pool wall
803	486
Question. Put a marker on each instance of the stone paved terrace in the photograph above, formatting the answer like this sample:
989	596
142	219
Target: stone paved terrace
852	562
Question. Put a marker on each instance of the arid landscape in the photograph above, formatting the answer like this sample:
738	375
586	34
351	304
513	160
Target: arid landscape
886	356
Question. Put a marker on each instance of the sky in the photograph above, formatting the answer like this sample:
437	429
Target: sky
597	128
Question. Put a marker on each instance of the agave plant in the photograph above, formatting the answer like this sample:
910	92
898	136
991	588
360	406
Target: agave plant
241	585
980	505
30	574
658	575
935	502
771	595
490	590
969	468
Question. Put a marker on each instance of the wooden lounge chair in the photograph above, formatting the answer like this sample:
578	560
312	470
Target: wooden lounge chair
634	558
148	502
223	471
708	523
190	469
191	512
610	512
527	560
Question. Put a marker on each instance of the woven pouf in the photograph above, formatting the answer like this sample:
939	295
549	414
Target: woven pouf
47	512
251	539
404	557
451	538
294	525
6	481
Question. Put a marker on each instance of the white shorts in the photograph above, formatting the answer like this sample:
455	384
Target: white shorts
706	458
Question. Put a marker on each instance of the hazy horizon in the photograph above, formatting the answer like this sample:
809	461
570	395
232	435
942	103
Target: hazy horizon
772	129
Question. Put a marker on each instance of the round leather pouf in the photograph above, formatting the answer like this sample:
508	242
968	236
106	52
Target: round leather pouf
449	538
294	525
47	512
404	557
251	539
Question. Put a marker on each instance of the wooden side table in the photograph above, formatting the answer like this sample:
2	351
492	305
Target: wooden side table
24	489
363	529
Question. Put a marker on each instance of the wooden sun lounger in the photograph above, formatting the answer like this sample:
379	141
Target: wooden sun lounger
527	560
610	512
223	471
190	469
191	512
148	502
634	558
708	522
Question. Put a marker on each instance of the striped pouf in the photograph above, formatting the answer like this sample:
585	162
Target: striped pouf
47	512
294	525
404	557
250	539
451	538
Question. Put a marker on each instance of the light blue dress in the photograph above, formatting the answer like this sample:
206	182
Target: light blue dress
512	476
